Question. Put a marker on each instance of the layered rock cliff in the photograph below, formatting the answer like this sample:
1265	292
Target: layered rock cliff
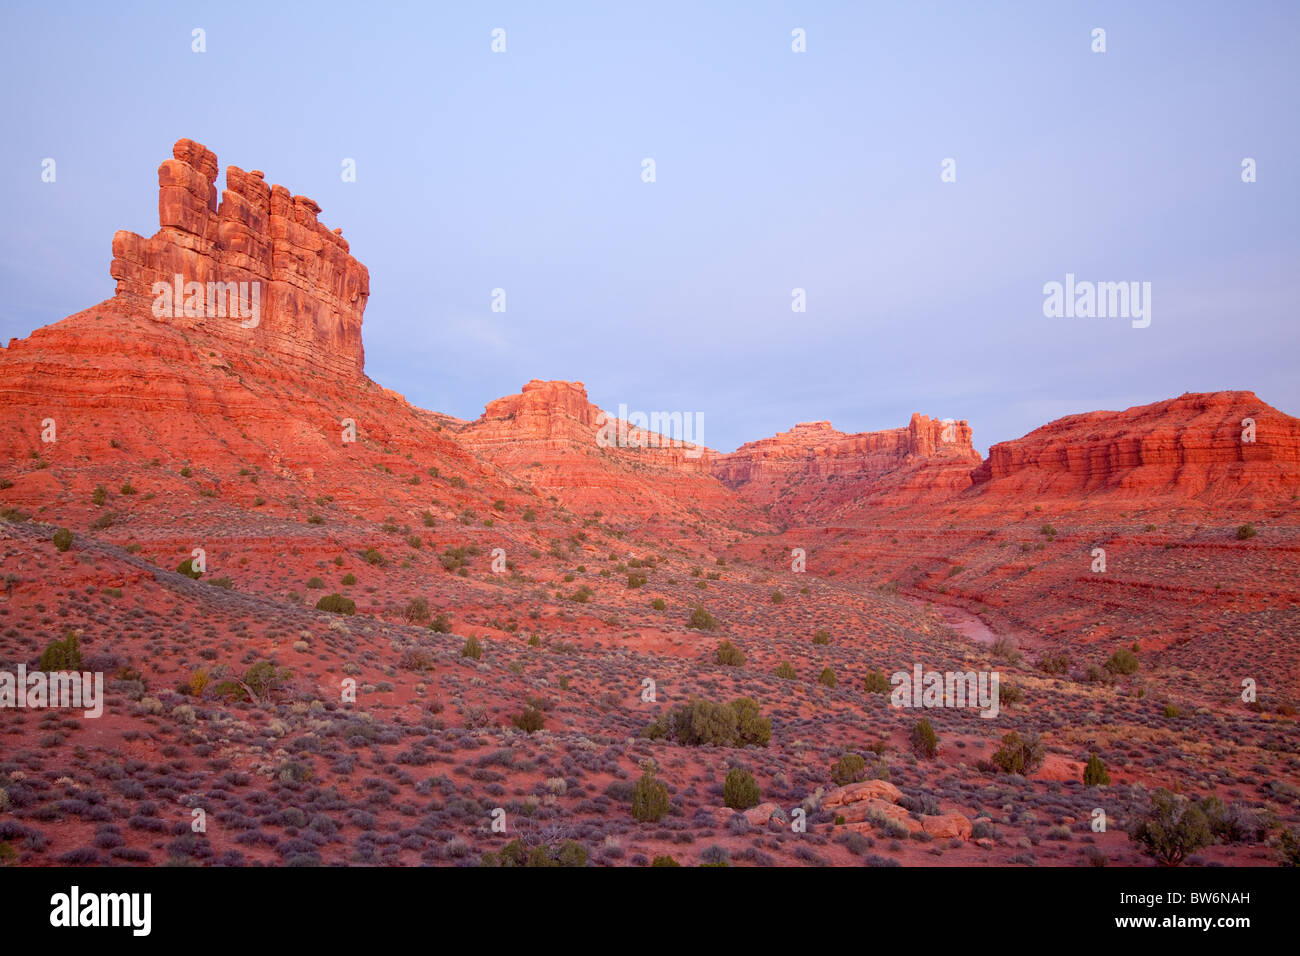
1208	446
310	291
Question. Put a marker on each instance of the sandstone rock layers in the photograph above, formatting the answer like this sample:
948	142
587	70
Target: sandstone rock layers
313	291
1196	446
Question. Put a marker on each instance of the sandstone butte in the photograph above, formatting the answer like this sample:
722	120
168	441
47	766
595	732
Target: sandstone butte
166	384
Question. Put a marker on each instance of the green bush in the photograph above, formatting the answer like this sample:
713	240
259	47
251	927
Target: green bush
877	683
316	584
851	768
707	723
658	604
348	579
416	611
1123	661
701	620
664	861
337	603
264	677
636	580
777	597
186	568
1288	844
1020	755
925	743
64	655
1057	663
517	853
441	623
729	655
827	677
1171	829
1095	773
740	792
99	495
786	671
63	539
529	720
821	636
1245	532
649	799
472	649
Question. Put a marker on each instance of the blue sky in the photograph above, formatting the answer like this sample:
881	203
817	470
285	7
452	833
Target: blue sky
775	170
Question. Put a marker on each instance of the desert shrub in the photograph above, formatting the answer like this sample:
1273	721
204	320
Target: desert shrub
64	655
786	671
264	677
658	604
472	649
99	495
441	624
337	604
1288	845
348	579
372	556
777	597
517	853
729	655
636	580
1245	532
925	743
707	723
1019	755
316	584
664	861
850	768
827	677
1051	663
1123	661
1171	828
63	539
529	720
821	636
417	659
1095	773
701	620
876	683
416	611
1009	694
1004	648
187	568
740	792
649	799
1233	822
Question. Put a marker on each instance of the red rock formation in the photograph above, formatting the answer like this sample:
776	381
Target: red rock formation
550	434
816	449
814	467
311	292
558	414
1193	446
